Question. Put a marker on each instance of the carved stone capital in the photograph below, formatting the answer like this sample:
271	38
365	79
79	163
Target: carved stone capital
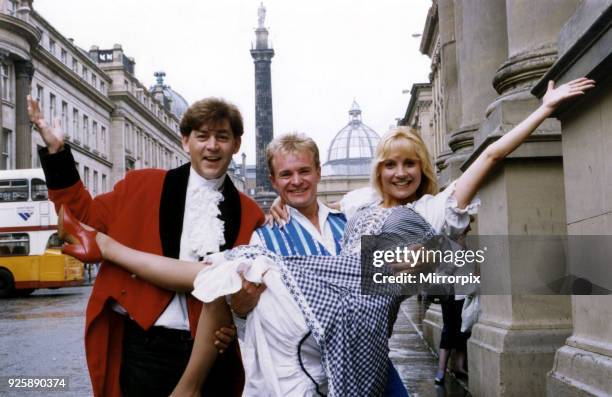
525	69
24	69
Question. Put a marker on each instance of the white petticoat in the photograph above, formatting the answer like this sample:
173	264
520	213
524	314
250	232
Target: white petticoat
273	331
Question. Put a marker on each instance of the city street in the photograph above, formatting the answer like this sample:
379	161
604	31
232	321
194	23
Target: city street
42	335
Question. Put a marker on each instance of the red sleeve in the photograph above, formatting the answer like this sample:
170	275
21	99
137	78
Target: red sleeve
66	188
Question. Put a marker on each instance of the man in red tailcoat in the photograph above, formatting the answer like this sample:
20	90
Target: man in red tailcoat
138	337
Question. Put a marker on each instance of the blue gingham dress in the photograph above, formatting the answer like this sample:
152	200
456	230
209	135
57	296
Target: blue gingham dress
351	329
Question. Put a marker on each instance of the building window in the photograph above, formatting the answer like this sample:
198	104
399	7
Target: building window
126	85
65	116
94	80
102	87
86	130
84	72
40	96
103	183
94	134
86	177
52	107
6	81
103	139
64	55
75	65
51	46
95	183
5	150
127	137
75	124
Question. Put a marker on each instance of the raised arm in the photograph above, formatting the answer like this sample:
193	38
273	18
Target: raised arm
469	182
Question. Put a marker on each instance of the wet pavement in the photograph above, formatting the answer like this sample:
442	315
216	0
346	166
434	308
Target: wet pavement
42	335
413	359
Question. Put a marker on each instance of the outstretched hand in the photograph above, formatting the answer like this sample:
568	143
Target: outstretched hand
555	96
53	136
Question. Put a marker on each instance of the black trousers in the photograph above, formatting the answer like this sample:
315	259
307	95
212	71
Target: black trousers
152	361
452	337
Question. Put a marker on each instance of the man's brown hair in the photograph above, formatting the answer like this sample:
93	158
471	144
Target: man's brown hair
211	111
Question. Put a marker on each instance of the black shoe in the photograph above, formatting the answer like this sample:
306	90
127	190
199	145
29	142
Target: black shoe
439	380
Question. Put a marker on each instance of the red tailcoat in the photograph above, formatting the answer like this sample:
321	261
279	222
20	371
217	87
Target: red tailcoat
145	212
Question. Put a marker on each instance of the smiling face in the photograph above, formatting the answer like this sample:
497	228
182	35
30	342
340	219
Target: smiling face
211	148
400	175
295	178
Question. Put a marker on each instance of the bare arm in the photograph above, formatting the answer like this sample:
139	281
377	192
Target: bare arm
203	355
470	181
168	273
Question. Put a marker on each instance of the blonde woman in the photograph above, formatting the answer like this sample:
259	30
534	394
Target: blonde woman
322	295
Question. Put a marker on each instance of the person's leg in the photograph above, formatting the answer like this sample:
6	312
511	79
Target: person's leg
446	340
164	272
203	355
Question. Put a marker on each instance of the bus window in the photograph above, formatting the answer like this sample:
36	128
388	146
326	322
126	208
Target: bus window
39	190
54	241
14	190
14	244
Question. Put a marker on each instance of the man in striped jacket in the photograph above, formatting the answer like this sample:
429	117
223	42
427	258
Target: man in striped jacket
312	229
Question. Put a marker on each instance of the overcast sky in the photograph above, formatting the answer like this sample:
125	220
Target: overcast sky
328	52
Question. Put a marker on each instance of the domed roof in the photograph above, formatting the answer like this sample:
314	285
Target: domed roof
352	149
173	101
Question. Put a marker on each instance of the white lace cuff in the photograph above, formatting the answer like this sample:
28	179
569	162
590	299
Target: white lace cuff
456	219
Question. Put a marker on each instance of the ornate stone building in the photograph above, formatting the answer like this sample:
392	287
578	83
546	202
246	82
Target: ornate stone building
489	59
112	121
349	157
419	116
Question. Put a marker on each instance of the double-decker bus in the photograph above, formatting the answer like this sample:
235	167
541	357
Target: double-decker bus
30	249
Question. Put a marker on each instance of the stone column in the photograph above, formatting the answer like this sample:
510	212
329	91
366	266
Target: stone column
117	145
480	28
449	81
24	70
432	323
513	345
583	367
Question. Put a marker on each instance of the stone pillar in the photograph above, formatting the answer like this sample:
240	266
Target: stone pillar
432	323
117	145
480	28
24	70
583	367
532	44
449	82
513	344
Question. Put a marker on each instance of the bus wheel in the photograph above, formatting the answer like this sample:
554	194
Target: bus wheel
23	292
7	284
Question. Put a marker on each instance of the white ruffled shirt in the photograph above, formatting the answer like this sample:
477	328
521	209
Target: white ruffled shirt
202	233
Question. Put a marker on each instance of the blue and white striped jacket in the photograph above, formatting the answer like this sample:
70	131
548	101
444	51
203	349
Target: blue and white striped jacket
294	239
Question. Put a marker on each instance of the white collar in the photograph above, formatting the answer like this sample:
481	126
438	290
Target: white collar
323	213
196	180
